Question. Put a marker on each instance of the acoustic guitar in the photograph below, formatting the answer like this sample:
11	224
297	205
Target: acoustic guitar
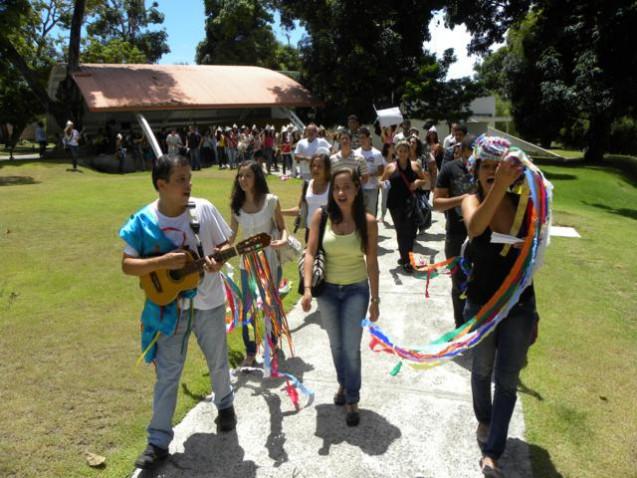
163	286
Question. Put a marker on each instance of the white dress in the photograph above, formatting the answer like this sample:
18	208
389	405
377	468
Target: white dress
261	221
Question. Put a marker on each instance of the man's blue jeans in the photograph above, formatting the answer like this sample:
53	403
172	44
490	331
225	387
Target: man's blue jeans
210	329
195	159
504	349
342	309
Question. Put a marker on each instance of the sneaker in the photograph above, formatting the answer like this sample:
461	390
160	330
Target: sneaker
408	269
226	420
352	418
151	457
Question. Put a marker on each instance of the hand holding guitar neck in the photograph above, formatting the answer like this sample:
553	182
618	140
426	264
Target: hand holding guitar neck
211	264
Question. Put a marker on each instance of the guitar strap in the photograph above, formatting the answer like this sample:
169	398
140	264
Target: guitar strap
195	226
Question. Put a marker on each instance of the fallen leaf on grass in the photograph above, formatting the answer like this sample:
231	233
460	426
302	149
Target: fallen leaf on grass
94	460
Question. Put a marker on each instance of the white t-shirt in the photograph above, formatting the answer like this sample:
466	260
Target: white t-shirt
449	141
307	150
213	231
261	221
173	141
73	138
314	201
374	159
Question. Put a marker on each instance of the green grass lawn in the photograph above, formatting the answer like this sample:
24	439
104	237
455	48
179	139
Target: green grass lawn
580	414
69	324
69	328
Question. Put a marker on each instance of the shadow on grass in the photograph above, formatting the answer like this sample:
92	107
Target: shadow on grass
622	211
541	462
218	454
559	176
373	435
17	180
624	166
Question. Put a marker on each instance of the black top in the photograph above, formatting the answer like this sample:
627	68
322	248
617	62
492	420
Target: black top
193	140
489	267
456	179
398	191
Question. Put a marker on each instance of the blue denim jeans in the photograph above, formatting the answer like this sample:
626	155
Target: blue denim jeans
195	158
250	344
342	309
504	349
210	329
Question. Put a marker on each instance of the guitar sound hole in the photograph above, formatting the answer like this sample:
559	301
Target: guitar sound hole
174	275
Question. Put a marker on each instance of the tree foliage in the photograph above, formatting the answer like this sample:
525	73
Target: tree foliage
238	32
430	95
115	50
128	22
360	54
568	69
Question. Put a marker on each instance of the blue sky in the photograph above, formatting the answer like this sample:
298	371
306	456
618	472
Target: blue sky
184	22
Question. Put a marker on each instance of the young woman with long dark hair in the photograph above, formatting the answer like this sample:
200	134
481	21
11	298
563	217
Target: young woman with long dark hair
255	210
351	272
405	176
315	193
493	209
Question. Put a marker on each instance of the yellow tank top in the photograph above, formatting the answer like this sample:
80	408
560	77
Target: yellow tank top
344	261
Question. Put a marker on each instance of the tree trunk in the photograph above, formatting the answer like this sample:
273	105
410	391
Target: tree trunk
74	39
597	138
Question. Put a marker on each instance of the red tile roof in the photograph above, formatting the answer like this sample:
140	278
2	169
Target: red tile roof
160	87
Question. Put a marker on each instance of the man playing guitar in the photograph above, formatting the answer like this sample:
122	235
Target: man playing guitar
155	238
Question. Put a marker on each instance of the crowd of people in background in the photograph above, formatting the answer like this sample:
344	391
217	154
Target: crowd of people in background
348	186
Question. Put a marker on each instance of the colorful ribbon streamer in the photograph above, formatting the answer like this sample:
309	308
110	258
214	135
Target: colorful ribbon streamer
458	341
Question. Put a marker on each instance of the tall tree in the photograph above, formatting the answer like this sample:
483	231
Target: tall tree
359	54
18	56
129	21
238	32
572	65
430	95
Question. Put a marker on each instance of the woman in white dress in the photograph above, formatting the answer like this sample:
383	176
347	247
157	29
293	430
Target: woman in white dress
255	210
314	193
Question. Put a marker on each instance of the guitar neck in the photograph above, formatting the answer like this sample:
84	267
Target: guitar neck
220	256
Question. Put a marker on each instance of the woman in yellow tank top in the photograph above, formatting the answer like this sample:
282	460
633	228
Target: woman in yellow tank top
350	245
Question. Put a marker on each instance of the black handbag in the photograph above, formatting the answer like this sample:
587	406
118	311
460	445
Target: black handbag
418	208
318	266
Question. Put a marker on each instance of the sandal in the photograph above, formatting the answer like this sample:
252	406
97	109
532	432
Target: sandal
490	471
249	361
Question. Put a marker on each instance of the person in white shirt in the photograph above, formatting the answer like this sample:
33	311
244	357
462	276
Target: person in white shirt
174	143
404	134
306	148
375	167
71	141
450	139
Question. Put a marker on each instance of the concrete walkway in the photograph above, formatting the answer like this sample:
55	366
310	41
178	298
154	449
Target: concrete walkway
418	424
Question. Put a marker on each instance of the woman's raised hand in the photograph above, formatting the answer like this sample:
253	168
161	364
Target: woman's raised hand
508	172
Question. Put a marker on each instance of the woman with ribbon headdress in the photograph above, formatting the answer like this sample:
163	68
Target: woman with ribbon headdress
496	208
